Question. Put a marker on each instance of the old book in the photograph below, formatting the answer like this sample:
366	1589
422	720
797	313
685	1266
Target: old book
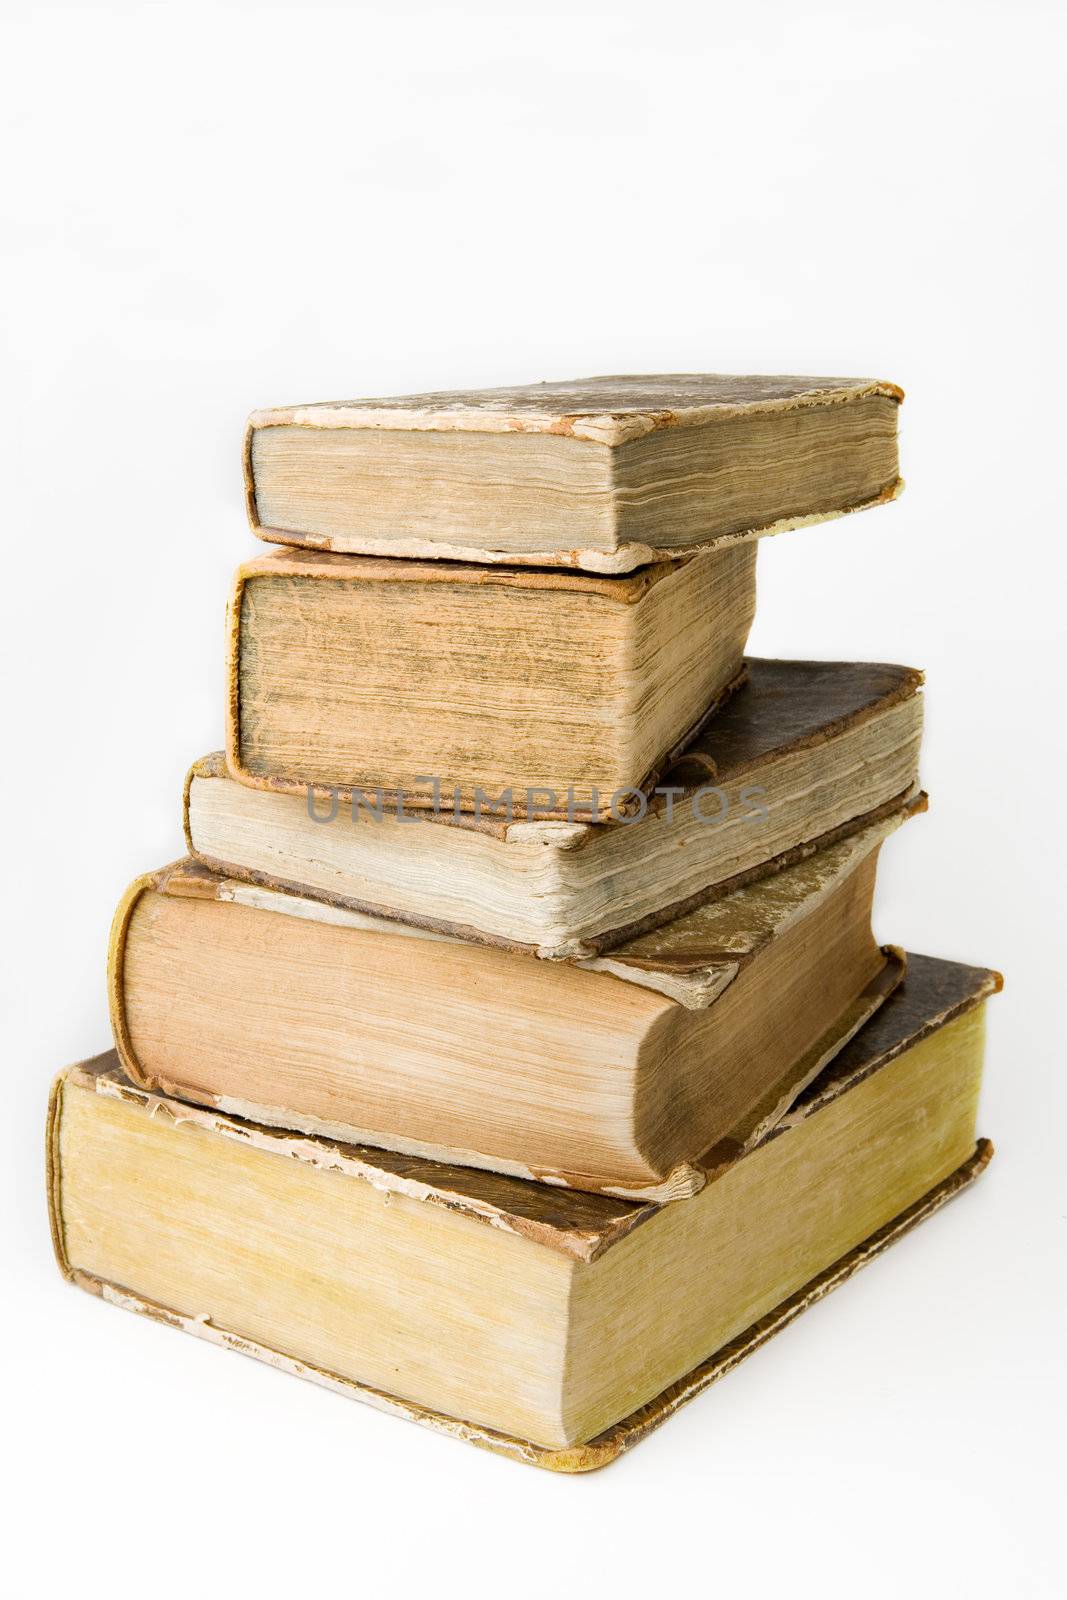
802	752
601	473
557	690
615	1073
553	1327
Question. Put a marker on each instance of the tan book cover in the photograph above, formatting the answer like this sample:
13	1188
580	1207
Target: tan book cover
604	473
618	1072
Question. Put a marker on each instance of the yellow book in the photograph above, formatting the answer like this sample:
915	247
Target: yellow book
552	1326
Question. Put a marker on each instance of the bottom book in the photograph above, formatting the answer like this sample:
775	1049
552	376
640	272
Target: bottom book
548	1325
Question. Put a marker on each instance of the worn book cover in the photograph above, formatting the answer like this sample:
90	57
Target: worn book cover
802	753
563	692
554	1327
617	1072
603	473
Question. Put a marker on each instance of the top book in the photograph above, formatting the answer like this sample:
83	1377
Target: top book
606	474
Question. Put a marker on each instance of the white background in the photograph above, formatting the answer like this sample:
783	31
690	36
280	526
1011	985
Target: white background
215	207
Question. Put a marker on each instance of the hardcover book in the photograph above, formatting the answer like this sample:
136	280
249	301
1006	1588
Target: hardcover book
554	1327
419	680
803	752
601	473
618	1072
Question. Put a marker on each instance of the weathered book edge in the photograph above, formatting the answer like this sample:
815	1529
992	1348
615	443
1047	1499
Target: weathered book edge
611	1444
606	563
424	798
601	428
909	803
683	1180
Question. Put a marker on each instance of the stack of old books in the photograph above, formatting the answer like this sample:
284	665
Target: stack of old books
512	1050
